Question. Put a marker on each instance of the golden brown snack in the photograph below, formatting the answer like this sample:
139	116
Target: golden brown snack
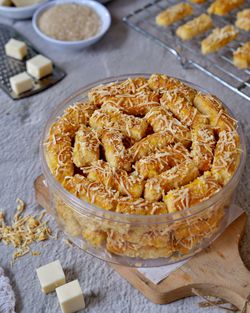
130	154
176	177
92	192
58	145
212	107
218	38
202	149
195	192
160	161
86	147
161	83
241	57
150	144
226	156
174	14
182	108
115	151
243	20
198	1
111	118
132	96
129	185
223	7
162	119
141	207
194	27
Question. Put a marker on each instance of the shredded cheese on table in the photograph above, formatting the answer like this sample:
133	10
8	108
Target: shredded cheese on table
23	231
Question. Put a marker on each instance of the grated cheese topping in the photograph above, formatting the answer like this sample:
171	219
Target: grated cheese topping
23	231
136	146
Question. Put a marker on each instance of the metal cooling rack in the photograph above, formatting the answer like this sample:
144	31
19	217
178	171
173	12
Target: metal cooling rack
217	65
10	66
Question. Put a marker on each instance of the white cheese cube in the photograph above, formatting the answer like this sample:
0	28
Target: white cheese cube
51	276
39	66
6	3
20	83
70	297
16	49
24	3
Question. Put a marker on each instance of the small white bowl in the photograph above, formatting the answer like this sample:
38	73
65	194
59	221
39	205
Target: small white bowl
102	12
20	13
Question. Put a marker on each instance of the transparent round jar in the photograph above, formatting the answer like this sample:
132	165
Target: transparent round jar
136	240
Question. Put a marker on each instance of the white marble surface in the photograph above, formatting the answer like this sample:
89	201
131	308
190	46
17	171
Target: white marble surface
121	51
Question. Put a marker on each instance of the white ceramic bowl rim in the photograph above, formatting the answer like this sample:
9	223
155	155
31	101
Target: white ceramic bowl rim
97	7
22	9
82	206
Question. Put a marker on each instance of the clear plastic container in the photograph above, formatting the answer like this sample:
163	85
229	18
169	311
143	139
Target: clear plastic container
163	239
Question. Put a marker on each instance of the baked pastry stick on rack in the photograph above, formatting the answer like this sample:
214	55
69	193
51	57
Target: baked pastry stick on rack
108	117
118	179
175	177
223	7
195	192
226	156
174	14
218	38
86	147
162	160
115	152
241	57
194	27
212	107
243	20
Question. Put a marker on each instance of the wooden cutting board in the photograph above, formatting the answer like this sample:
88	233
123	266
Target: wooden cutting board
216	271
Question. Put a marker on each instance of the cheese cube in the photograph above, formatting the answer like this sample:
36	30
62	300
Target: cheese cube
6	3
16	49
51	276
21	82
39	66
70	297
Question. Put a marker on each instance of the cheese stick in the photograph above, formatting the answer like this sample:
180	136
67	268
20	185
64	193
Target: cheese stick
222	7
182	108
243	20
162	119
130	126
177	176
150	144
115	152
174	14
218	38
203	144
129	185
226	156
212	107
86	147
197	191
194	27
241	57
158	162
